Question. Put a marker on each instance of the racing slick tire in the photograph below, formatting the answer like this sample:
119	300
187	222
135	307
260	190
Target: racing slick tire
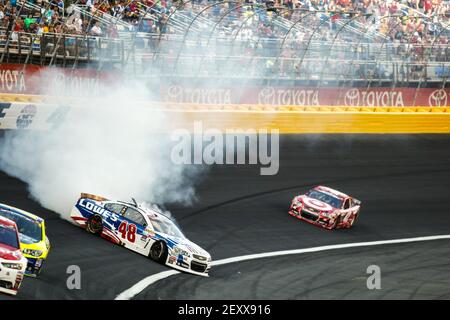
94	225
158	252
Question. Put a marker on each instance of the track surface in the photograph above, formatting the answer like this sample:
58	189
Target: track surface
403	181
408	271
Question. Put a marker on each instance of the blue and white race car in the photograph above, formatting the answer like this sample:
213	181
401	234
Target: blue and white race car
141	229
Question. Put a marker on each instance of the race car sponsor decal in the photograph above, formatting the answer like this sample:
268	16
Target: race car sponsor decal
127	231
193	249
316	204
91	206
181	261
149	232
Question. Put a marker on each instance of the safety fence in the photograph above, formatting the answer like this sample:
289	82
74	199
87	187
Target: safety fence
59	49
146	55
247	41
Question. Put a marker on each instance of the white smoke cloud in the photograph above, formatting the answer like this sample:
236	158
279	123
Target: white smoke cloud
110	147
157	208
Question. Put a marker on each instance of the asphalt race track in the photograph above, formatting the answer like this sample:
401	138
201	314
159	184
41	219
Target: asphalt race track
408	271
403	182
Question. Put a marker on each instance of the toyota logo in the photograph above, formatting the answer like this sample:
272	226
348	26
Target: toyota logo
438	98
267	96
352	97
175	94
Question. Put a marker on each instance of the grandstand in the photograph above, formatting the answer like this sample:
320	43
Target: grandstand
317	42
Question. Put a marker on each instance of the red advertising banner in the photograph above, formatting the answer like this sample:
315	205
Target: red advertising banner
31	79
373	97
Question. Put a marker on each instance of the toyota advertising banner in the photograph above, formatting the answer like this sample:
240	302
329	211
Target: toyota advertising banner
31	79
373	97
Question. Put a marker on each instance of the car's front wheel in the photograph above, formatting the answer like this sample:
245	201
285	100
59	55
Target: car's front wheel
335	223
353	220
158	252
94	225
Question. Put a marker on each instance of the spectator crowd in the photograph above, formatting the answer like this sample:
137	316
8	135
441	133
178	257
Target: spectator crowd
403	24
396	19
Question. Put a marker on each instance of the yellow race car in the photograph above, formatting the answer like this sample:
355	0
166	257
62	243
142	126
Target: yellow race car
34	242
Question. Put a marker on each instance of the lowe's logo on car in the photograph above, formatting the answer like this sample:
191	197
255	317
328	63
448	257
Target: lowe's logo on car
97	209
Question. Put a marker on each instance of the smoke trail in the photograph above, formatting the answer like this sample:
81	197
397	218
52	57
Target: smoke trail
111	149
157	208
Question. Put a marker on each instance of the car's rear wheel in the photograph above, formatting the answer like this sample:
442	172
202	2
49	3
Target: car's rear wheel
158	252
94	225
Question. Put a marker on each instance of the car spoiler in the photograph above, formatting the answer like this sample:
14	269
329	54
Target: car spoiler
93	197
357	202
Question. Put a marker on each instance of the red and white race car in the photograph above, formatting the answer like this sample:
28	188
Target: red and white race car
12	262
326	207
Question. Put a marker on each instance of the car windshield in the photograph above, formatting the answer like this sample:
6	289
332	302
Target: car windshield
332	201
8	236
166	227
26	226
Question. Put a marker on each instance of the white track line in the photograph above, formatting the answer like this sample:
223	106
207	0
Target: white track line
144	283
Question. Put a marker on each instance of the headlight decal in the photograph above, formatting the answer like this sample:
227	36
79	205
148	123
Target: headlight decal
178	250
10	265
31	252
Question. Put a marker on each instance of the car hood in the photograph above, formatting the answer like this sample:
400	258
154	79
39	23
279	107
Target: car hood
189	246
317	205
195	249
35	246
